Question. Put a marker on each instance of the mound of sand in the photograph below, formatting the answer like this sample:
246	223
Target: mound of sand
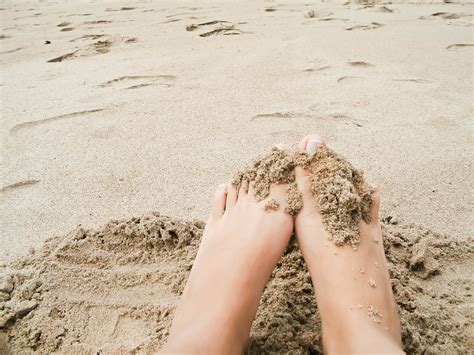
115	289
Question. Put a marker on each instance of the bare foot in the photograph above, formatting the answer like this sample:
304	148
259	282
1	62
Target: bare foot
353	290
241	246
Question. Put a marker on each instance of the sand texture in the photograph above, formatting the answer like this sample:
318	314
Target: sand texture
341	194
114	109
115	289
339	190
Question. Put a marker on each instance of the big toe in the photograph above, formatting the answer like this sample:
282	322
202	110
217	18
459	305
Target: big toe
309	144
218	203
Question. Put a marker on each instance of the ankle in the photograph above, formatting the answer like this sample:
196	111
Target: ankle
206	336
352	333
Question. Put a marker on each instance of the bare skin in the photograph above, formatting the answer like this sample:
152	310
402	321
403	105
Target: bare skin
240	248
348	284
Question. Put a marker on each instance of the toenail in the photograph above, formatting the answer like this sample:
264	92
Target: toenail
222	187
312	145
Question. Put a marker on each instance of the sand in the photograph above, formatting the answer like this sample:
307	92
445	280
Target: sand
117	133
342	196
115	289
111	110
340	192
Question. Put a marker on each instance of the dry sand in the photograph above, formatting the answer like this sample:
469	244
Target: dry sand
111	110
115	129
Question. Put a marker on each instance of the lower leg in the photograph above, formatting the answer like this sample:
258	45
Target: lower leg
353	290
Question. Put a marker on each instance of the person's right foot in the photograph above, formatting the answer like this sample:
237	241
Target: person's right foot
353	290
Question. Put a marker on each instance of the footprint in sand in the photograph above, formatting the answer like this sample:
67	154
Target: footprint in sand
333	19
371	26
74	15
12	50
226	31
360	64
317	69
140	81
170	20
19	184
30	124
454	17
346	78
97	22
318	14
194	27
459	46
22	17
65	26
174	17
384	9
87	37
224	28
287	114
342	118
98	47
419	81
334	116
336	112
449	15
124	8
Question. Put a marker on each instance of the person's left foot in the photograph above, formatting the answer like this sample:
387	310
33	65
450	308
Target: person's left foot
242	243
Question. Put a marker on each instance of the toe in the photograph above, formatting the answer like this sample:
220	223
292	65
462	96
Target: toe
218	202
310	142
251	189
302	177
374	212
231	196
244	188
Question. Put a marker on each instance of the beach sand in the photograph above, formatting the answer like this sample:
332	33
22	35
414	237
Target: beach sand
157	123
111	110
114	290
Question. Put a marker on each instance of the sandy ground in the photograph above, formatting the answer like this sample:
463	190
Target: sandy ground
145	115
113	290
114	109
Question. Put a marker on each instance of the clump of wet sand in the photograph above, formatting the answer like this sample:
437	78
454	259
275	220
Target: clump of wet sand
339	189
115	289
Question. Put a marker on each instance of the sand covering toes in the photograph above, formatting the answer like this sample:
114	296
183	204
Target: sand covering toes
341	195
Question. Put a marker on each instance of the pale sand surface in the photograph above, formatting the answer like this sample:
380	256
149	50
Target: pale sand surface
215	102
